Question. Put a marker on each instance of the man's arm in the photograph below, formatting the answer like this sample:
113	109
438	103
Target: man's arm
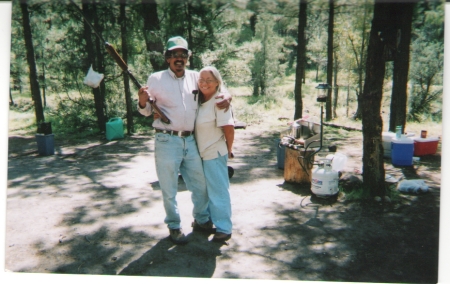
144	107
226	100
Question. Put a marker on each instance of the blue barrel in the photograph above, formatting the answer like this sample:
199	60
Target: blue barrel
402	151
280	153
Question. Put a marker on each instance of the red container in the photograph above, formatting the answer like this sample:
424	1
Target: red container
425	146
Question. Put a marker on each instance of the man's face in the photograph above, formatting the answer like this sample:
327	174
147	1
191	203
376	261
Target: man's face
177	62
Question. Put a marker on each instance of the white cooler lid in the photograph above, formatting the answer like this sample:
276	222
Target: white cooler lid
387	136
403	140
429	139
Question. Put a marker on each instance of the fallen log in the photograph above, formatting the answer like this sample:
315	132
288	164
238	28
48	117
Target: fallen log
342	127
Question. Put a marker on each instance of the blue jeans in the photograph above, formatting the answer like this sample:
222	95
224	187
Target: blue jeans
172	155
218	184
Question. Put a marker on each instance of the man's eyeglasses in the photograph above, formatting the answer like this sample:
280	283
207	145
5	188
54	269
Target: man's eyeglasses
179	55
201	81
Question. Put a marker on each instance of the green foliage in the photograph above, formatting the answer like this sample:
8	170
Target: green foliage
253	43
357	194
426	66
265	67
74	116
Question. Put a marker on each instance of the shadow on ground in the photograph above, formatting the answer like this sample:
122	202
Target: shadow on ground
97	209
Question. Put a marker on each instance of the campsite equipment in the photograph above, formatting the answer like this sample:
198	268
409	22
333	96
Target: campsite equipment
423	134
111	50
45	144
302	143
45	139
304	129
338	161
325	180
398	132
402	151
412	186
114	128
323	92
230	172
281	149
297	165
93	78
386	140
425	146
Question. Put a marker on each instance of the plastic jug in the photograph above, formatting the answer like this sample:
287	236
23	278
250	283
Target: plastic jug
338	161
114	128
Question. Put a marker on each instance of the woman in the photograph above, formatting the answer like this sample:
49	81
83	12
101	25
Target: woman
214	132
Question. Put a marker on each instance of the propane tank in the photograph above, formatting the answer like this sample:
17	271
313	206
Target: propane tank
325	180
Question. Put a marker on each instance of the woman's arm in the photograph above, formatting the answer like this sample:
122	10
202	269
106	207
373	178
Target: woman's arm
228	131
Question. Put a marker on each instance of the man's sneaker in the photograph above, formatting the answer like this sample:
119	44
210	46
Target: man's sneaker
205	228
177	236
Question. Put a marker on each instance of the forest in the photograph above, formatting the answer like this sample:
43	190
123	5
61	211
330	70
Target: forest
264	49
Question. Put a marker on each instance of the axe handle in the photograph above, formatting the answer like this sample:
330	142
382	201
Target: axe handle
112	51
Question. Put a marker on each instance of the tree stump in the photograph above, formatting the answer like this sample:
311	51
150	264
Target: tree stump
296	168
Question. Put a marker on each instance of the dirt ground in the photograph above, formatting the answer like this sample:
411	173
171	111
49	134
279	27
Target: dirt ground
96	208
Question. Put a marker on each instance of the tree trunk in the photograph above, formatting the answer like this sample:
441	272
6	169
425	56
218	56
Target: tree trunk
34	84
301	55
96	65
328	106
253	20
335	86
372	124
189	28
149	12
43	83
126	80
44	98
11	101
100	51
401	68
358	113
255	80
262	81
348	100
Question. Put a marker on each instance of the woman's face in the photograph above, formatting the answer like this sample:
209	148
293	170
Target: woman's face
207	83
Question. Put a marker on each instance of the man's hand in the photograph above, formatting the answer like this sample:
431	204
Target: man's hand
144	95
225	103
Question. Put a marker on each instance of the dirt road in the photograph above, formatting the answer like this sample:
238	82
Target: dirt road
95	208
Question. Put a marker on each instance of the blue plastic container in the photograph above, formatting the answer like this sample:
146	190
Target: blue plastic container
280	153
45	144
402	151
114	128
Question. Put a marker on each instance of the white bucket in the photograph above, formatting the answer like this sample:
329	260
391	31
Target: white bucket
325	180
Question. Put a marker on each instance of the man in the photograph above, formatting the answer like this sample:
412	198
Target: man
175	146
